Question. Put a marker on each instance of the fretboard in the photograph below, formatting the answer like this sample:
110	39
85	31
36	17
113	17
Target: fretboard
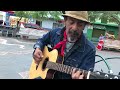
62	68
68	69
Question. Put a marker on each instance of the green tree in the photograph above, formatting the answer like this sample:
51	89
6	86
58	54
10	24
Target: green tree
22	14
38	15
42	15
104	16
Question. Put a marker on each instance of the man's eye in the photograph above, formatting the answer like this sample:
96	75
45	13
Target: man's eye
79	24
71	22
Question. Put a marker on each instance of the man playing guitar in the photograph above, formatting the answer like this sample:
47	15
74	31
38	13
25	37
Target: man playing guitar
73	47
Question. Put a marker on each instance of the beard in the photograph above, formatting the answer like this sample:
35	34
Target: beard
73	35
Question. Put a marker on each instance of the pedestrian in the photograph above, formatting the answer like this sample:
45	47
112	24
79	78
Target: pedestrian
101	37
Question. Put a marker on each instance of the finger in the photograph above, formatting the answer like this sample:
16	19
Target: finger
36	58
74	70
73	73
82	75
41	54
37	62
77	75
38	55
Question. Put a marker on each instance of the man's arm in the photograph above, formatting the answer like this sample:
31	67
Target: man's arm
39	46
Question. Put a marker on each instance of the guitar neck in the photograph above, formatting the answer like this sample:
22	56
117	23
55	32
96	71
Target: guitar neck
63	68
68	69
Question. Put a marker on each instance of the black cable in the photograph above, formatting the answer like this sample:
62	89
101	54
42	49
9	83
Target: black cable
104	61
108	59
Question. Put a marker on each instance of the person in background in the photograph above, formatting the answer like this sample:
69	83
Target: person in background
101	37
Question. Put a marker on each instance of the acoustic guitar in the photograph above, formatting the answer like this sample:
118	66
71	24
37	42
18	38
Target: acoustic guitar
48	66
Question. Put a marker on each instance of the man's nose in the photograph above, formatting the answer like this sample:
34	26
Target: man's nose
75	26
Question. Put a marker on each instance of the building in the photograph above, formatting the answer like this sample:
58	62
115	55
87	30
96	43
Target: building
48	24
96	29
5	16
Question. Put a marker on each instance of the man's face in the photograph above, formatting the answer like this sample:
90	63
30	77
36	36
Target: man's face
74	28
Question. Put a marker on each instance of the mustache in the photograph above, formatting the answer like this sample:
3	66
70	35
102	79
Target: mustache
73	32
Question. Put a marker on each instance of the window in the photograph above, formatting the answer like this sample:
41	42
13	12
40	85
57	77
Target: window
97	32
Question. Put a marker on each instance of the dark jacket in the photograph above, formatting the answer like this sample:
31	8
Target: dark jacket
82	55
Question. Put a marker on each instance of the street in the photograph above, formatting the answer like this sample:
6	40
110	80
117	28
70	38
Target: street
16	57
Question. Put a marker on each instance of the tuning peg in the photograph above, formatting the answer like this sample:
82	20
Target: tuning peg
97	72
119	73
101	70
110	71
115	77
106	75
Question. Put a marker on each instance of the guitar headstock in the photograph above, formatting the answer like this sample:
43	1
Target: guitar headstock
101	75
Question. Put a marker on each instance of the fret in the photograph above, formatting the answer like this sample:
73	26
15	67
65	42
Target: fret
71	69
67	68
63	69
59	67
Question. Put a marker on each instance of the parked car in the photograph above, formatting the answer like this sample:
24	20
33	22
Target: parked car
30	31
30	25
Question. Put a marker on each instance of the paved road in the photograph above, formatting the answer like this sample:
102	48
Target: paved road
16	57
114	64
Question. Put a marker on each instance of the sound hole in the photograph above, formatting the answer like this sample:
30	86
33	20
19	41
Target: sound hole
45	63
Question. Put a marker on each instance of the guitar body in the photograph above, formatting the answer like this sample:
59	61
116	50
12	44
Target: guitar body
42	71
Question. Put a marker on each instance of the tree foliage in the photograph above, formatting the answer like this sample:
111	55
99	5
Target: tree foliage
39	15
104	16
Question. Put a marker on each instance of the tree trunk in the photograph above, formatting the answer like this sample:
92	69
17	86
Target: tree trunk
18	24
